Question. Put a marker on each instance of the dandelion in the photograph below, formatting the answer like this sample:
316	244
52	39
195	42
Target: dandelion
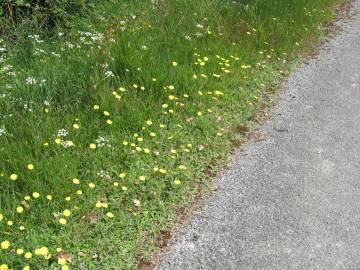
30	167
67	213
36	195
61	261
49	197
91	185
5	244
64	267
174	64
96	107
19	251
92	146
62	221
1	217
10	223
19	209
13	177
76	126
28	255
109	122
76	181
26	267
109	215
57	140
124	188
177	182
4	267
21	228
142	178
149	123
122	175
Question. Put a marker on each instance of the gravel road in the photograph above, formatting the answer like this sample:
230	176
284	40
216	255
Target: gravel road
291	201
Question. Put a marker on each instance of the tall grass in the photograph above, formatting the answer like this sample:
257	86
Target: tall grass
139	102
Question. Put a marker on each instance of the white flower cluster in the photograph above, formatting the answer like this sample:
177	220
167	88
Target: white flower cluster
2	131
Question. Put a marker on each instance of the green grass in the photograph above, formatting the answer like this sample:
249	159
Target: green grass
238	54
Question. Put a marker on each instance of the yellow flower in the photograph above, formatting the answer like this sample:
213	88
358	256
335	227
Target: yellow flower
19	209
142	178
125	143
171	97
57	141
26	268
30	167
4	267
92	146
104	205
116	184
13	177
177	182
28	255
19	251
109	215
49	197
106	113
68	199
27	198
62	261
91	185
76	181
148	122
36	195
174	64
182	167
79	192
122	175
67	212
10	223
5	244
76	126
152	134
64	267
98	205
21	228
62	221
109	122
124	188
1	217
96	107
146	150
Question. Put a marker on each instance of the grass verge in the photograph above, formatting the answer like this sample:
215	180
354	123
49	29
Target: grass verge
107	129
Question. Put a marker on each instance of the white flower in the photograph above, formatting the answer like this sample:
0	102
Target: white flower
109	73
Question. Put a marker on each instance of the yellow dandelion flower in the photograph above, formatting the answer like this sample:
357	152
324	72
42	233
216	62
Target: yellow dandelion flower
76	181
152	134
65	267
182	167
21	228
106	113
61	261
98	205
76	126
19	251
68	199
26	267
10	223
49	197
36	195
30	167
4	267
57	140
174	64
125	143
13	177
91	185
1	217
109	122
92	146
79	192
5	244
67	213
177	182
124	188
149	122
142	178
96	107
122	175
62	221
28	255
19	209
109	215
104	205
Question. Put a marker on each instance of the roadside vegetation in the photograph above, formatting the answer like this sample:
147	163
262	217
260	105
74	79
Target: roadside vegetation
113	120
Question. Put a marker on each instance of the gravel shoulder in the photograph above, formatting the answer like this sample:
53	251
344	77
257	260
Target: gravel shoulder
291	201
